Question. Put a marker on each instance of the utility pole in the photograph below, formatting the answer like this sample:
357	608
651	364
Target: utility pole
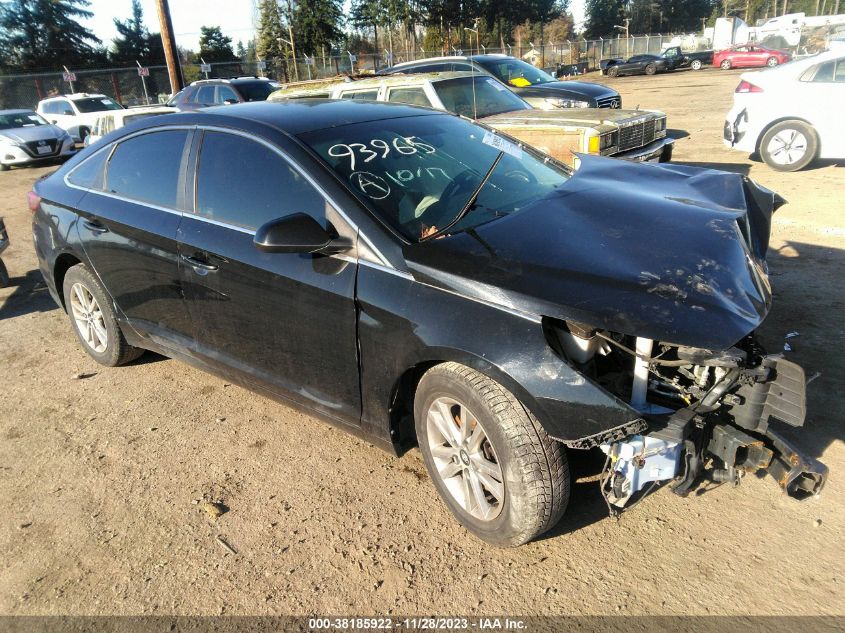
171	55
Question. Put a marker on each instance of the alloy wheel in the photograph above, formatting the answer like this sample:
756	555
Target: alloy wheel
465	459
88	318
787	147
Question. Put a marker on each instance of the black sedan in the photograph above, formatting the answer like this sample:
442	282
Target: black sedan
636	65
419	279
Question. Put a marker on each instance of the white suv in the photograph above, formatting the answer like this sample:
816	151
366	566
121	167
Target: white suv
76	113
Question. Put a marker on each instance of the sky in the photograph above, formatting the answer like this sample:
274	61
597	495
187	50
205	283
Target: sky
234	17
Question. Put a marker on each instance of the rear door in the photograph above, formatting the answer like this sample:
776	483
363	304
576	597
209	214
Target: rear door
283	322
819	99
129	219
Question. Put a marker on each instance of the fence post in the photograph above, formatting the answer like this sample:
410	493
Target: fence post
39	89
115	87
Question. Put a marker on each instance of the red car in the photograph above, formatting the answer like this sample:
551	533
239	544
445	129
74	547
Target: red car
749	55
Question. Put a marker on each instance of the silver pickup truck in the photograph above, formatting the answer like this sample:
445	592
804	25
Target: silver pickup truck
636	135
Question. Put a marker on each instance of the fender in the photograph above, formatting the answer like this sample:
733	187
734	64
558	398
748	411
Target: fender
406	325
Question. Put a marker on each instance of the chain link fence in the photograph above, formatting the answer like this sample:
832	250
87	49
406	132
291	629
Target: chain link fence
568	58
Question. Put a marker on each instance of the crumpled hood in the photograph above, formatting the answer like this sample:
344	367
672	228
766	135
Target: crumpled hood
663	251
34	133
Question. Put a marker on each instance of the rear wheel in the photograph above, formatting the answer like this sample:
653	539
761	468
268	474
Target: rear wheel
695	64
93	319
772	62
612	71
789	146
650	69
4	275
491	462
725	65
4	167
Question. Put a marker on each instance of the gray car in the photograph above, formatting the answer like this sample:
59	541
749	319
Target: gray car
26	138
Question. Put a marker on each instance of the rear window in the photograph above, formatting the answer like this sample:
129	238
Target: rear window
256	90
477	97
96	104
147	167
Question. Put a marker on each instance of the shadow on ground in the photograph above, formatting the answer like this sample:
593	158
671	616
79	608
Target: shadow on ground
30	295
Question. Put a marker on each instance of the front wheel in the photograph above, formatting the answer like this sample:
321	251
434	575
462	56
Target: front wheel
491	462
772	62
725	65
650	69
4	275
789	146
695	64
93	319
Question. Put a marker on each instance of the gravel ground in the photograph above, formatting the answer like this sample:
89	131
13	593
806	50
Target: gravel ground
104	472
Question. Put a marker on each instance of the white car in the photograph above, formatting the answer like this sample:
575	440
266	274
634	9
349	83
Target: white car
791	114
77	112
111	121
27	139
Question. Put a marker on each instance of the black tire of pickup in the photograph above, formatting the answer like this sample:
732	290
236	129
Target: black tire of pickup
696	64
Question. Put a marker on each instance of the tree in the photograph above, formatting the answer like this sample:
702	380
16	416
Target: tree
134	42
268	44
45	34
602	16
317	25
214	46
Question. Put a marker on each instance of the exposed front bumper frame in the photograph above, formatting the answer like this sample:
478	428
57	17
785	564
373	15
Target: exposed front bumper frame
656	151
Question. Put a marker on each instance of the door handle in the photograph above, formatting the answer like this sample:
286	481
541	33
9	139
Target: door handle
198	264
94	226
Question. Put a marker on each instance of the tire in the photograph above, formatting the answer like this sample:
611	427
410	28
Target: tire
4	167
772	62
506	458
650	69
725	65
87	302
789	146
83	133
695	64
4	275
612	71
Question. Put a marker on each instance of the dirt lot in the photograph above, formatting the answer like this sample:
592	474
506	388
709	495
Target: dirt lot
102	477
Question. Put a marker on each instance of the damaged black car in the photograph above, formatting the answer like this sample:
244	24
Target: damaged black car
419	279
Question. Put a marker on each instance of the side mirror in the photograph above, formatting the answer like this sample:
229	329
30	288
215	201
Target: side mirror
68	112
230	101
297	233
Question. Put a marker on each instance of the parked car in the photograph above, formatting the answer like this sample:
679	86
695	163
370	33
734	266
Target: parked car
27	139
749	56
536	86
114	120
76	113
210	92
638	135
417	278
636	65
789	114
695	60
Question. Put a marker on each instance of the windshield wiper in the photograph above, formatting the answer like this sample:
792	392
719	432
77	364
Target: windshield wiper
470	203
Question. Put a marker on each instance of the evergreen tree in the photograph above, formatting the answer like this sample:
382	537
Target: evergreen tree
135	42
270	30
214	46
602	15
316	24
46	34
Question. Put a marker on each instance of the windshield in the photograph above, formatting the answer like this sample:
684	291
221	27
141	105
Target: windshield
477	97
20	119
417	174
96	104
516	73
256	90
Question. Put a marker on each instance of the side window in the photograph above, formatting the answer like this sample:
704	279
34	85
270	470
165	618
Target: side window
147	167
225	93
245	183
360	95
839	75
89	174
205	95
411	96
428	68
823	74
460	66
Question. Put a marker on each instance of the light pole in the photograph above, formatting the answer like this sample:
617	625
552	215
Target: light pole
477	41
627	36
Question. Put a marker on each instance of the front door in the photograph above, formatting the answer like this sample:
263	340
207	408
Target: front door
282	321
128	228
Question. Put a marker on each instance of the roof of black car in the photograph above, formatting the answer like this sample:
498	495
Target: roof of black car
23	111
306	115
